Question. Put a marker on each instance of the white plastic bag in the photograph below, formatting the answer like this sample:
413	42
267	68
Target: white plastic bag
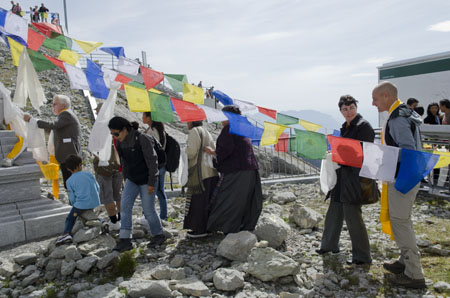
183	167
328	176
207	160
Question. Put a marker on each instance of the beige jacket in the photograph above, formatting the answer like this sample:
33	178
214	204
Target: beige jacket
193	147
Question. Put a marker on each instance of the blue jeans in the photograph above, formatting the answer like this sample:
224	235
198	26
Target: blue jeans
162	198
71	219
129	195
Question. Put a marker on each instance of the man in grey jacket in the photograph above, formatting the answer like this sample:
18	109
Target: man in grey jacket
66	132
401	130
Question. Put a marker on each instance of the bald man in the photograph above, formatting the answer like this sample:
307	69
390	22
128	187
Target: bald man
401	130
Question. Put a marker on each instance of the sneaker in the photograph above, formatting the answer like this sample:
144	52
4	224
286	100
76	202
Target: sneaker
323	251
194	235
63	239
157	240
123	245
404	281
395	267
114	226
7	163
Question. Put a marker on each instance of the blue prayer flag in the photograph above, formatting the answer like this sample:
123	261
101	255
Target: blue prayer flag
223	98
240	126
116	51
3	14
336	133
414	166
94	75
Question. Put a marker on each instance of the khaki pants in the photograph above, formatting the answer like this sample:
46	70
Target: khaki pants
400	209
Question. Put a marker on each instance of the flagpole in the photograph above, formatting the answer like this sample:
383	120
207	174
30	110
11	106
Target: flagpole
65	16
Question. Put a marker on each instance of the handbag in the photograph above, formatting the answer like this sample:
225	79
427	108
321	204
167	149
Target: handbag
195	180
370	193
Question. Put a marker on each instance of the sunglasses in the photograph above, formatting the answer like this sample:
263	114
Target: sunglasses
115	134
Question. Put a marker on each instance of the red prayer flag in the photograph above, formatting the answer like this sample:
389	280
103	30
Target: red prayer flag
346	151
269	112
57	62
122	79
151	77
283	143
187	111
35	40
47	28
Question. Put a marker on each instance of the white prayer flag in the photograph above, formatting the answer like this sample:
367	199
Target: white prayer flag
213	115
128	66
380	162
328	176
109	76
77	77
16	25
247	108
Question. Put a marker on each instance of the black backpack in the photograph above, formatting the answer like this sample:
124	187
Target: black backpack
173	156
162	158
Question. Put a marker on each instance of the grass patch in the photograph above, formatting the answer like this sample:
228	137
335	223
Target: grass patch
123	290
436	232
436	268
126	264
50	292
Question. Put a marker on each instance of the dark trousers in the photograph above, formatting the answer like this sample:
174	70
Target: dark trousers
71	219
65	173
334	220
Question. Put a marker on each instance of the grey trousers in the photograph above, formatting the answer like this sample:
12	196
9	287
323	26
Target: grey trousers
400	209
334	220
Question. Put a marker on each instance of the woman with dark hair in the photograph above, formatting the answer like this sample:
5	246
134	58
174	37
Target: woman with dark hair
238	202
432	114
444	104
202	181
140	169
345	200
156	129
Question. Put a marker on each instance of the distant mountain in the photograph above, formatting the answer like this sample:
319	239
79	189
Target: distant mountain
326	120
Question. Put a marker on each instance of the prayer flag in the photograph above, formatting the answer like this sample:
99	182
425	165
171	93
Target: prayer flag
129	66
58	43
257	135
246	107
16	50
48	28
444	159
57	62
213	115
286	120
35	39
151	77
160	107
268	112
88	46
137	99
283	142
239	125
176	81
77	77
40	62
222	97
16	25
310	144
346	151
137	85
336	133
109	76
193	94
380	162
115	51
155	91
69	56
122	79
309	125
188	112
3	14
271	133
94	75
414	166
292	144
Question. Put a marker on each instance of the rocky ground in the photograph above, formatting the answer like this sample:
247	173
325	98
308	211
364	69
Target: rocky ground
277	260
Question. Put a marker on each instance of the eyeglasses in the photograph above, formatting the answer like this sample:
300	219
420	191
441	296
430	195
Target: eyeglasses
115	134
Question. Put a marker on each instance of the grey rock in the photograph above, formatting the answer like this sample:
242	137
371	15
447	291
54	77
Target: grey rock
228	279
100	242
193	287
273	209
162	272
289	295
27	271
177	261
7	269
86	235
42	262
177	274
104	291
146	288
75	288
67	267
72	253
442	287
272	229
29	280
236	246
437	250
268	264
50	275
85	264
26	258
284	197
59	252
53	264
304	217
107	260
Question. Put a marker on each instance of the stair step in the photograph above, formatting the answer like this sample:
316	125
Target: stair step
8	140
7	133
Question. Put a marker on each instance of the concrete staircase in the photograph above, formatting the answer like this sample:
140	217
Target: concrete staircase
25	215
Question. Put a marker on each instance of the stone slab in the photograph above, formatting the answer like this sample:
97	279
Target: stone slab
12	232
45	226
25	157
44	213
8	140
20	191
10	218
7	134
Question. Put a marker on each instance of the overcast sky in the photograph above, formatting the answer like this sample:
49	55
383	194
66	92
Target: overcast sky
285	55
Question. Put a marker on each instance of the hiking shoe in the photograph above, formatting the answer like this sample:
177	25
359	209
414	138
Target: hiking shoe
157	240
323	251
395	267
194	235
123	245
114	226
404	281
63	239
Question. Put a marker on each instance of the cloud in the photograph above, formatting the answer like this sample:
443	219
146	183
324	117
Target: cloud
271	36
440	27
379	60
363	74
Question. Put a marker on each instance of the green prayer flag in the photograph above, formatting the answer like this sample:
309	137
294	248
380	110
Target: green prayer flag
176	81
58	43
292	144
286	120
160	107
40	62
311	144
137	85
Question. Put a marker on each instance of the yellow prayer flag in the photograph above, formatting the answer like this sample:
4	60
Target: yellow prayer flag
193	94
309	125
16	50
137	98
88	46
69	56
385	220
155	91
272	132
444	159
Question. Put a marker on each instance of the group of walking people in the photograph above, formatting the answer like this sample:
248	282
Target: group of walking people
37	14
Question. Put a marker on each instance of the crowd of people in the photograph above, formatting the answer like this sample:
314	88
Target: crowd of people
37	13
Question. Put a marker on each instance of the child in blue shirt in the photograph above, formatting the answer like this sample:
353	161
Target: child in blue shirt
83	193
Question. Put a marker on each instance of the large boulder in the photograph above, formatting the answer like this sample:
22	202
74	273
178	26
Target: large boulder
228	279
304	217
84	235
236	246
85	264
273	229
102	242
27	258
146	288
104	291
284	197
193	287
267	264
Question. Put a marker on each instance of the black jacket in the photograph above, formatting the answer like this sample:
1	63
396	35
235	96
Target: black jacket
348	188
